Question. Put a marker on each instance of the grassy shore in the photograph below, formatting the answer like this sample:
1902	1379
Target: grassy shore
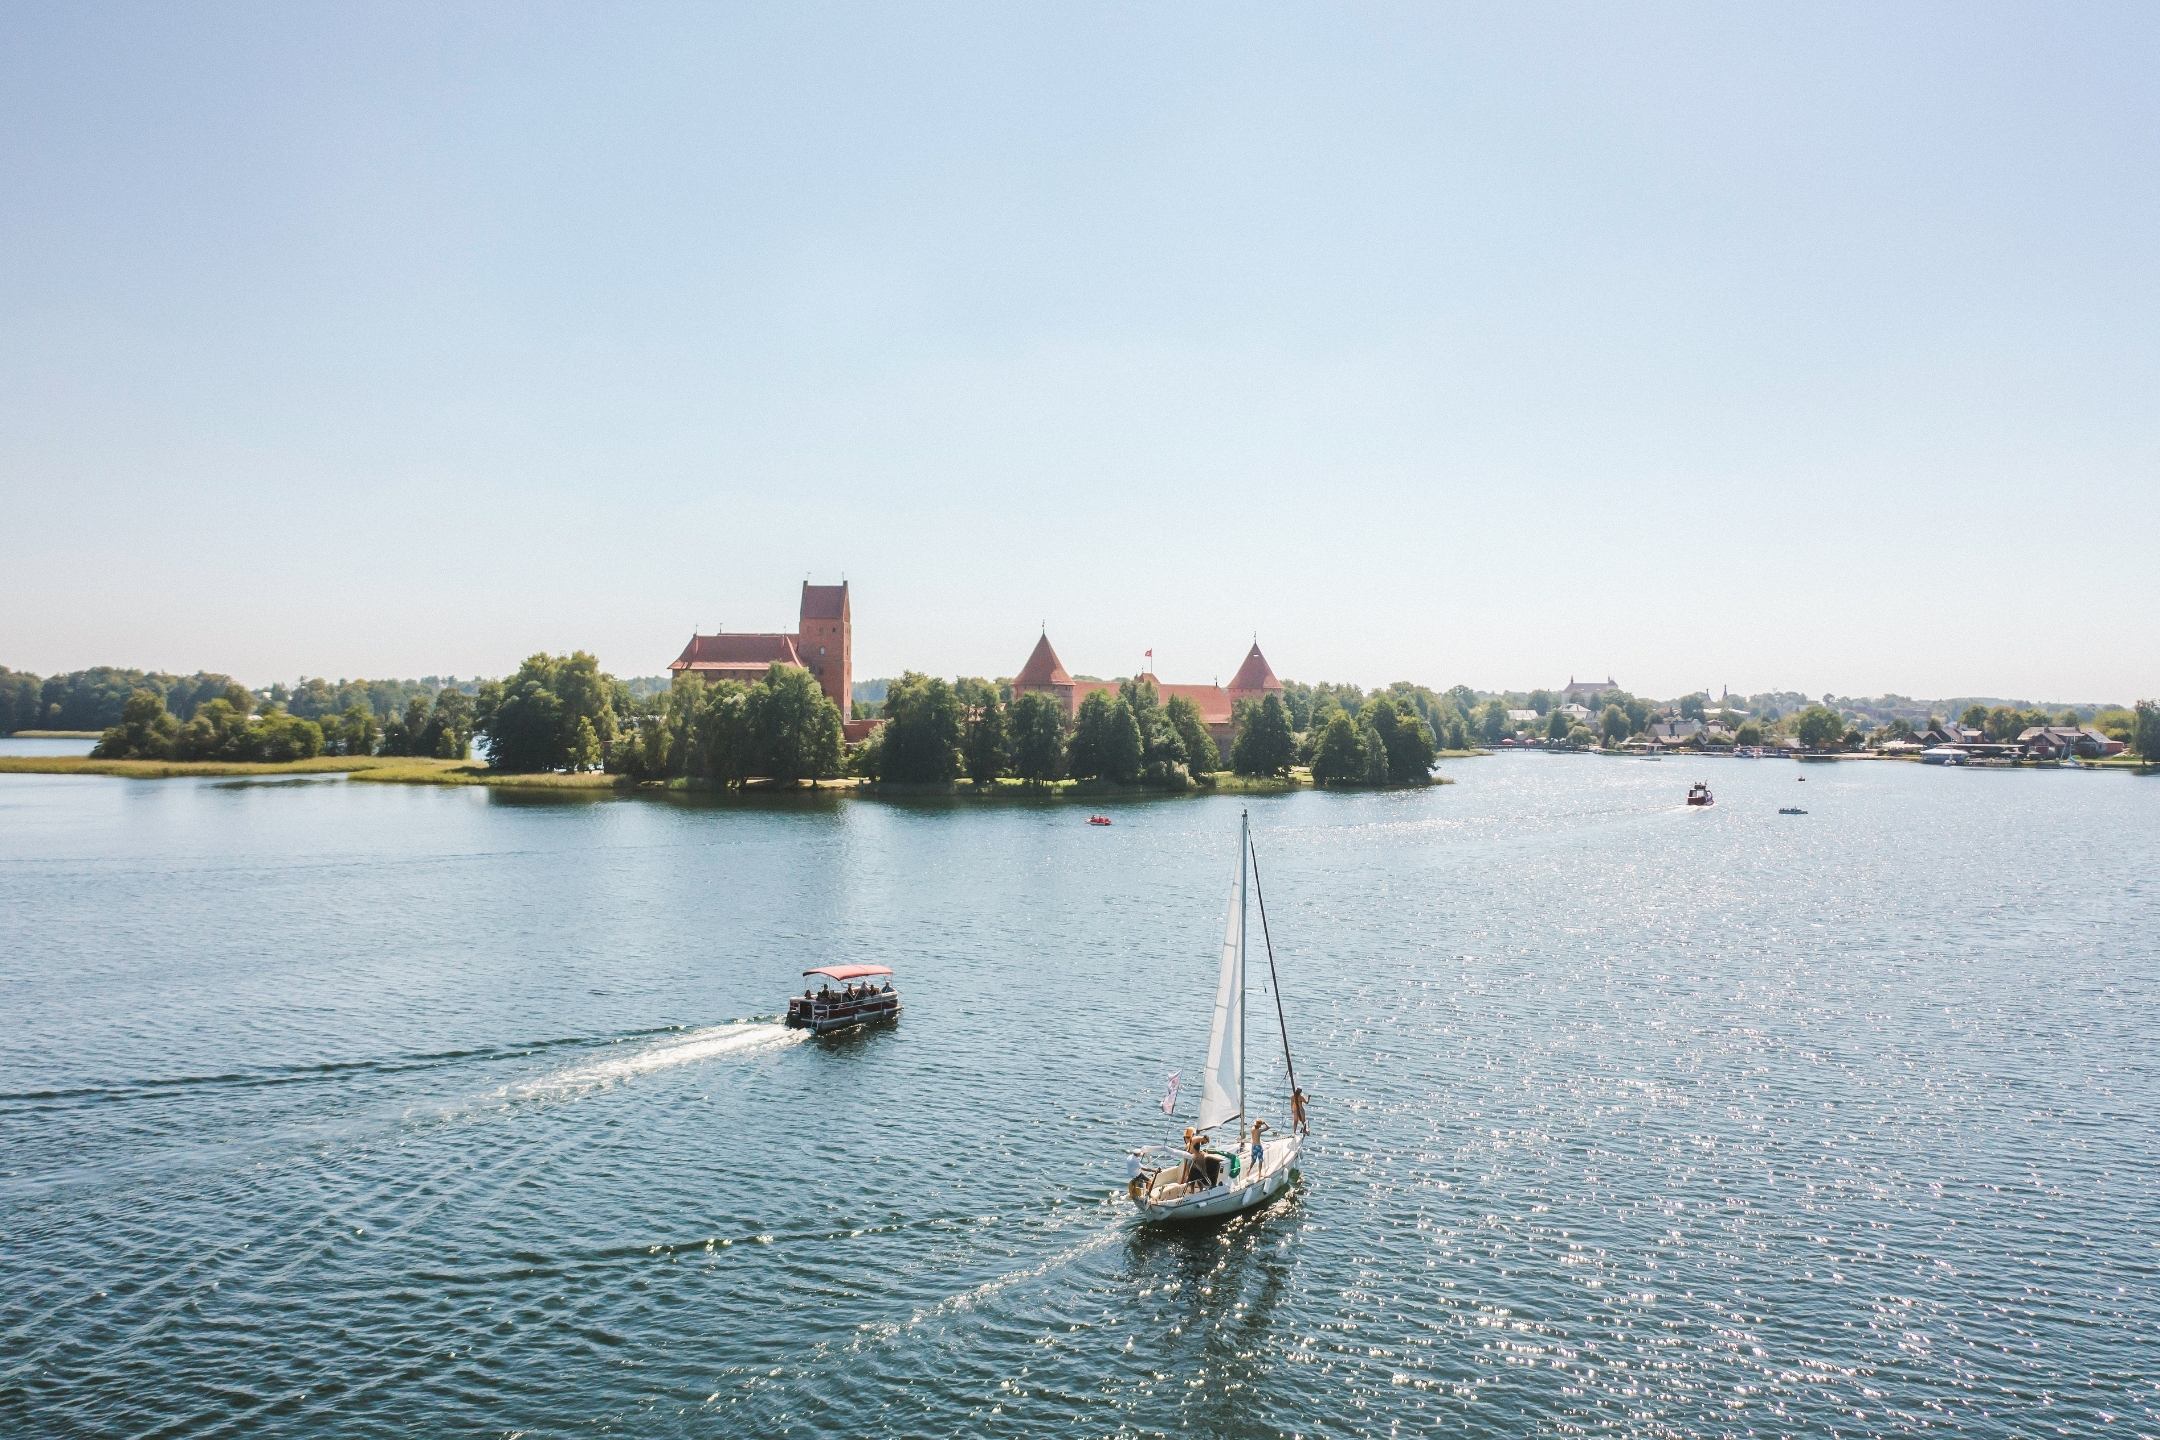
391	771
54	734
175	769
403	770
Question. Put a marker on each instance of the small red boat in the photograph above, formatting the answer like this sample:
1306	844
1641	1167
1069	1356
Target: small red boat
1098	819
1699	794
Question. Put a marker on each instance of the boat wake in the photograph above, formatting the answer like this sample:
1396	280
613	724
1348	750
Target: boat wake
737	1038
306	1073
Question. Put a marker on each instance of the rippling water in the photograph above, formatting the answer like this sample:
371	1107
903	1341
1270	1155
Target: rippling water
357	1109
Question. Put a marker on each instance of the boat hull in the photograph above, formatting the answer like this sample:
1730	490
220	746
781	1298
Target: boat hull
1234	1196
826	1019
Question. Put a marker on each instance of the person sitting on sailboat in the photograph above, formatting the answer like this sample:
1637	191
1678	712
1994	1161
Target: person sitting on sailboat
1201	1167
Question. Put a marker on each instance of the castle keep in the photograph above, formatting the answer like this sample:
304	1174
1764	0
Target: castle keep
822	643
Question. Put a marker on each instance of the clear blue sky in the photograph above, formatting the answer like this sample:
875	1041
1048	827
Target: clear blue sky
1810	346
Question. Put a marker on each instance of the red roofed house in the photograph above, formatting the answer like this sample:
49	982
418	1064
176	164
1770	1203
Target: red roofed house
823	644
1045	674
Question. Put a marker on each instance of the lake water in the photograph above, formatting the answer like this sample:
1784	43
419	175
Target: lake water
336	1108
46	745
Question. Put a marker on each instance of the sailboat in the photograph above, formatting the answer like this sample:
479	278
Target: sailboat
1214	1178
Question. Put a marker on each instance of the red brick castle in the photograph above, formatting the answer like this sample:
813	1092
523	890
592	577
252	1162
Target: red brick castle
822	644
1045	674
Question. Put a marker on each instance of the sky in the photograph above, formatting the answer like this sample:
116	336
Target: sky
1809	347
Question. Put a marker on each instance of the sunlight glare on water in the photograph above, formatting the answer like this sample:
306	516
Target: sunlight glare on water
374	1110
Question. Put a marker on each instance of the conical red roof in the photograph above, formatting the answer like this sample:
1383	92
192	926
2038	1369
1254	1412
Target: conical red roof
1043	668
1254	674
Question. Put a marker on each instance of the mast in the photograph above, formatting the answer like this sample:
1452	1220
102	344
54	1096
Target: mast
1244	847
1260	893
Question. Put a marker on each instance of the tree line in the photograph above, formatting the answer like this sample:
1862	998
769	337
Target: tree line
236	725
936	732
94	699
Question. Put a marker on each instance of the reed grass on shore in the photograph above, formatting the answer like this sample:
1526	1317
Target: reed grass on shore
410	770
177	769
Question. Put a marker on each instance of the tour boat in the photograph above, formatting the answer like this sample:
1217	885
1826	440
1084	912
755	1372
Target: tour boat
851	1005
1168	1183
1699	794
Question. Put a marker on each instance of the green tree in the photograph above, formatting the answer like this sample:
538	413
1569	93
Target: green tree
449	725
1297	698
586	695
279	738
1037	725
218	731
522	723
795	728
2147	736
1085	752
924	728
19	707
1122	751
1613	725
146	730
1492	721
2117	724
1202	755
1409	745
1749	733
1975	716
1556	724
584	748
710	734
1373	754
360	732
1818	727
983	746
1339	755
1262	743
1691	706
1579	737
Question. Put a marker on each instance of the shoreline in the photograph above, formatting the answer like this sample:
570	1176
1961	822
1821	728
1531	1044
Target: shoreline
406	770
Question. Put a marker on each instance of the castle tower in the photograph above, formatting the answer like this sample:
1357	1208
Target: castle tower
1046	674
1254	678
825	642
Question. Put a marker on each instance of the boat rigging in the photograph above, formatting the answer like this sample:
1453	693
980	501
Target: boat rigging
1201	1179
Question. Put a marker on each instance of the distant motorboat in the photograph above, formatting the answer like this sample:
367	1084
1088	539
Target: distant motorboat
1791	810
1699	794
1098	819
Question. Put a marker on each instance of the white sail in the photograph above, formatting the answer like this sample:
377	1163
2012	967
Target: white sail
1223	1089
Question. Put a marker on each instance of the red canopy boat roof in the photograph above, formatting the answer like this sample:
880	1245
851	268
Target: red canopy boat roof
850	972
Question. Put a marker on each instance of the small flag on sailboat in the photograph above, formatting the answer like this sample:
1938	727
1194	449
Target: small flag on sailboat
1169	1099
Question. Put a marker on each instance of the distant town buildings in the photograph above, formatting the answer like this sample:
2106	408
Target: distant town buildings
1582	692
2056	742
1045	674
